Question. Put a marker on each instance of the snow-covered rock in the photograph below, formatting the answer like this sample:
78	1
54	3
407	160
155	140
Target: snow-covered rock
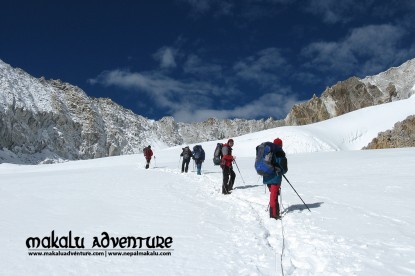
53	120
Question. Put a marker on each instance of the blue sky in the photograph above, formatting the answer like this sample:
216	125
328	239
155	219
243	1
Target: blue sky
195	59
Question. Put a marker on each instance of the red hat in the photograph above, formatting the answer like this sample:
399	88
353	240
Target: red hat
278	142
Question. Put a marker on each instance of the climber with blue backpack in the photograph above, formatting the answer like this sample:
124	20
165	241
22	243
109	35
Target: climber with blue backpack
271	163
198	157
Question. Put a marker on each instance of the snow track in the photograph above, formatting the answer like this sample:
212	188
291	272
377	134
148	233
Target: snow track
306	248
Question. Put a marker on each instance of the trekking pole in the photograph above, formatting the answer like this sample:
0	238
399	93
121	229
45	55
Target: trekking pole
239	171
297	193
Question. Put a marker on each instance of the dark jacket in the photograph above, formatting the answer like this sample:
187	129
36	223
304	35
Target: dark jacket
281	168
186	153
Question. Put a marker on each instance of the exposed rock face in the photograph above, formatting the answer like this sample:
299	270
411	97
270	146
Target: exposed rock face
346	96
402	135
221	129
394	84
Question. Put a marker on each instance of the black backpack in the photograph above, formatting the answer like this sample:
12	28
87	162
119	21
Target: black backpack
186	153
197	152
217	155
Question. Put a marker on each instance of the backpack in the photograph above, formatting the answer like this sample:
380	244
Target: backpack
264	161
186	153
217	155
197	152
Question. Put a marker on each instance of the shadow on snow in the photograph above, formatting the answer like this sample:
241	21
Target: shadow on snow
246	187
301	207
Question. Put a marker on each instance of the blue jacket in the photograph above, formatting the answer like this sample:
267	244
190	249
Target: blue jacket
281	168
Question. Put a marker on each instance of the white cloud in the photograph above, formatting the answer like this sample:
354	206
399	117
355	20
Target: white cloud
165	91
166	57
191	101
271	104
363	51
209	89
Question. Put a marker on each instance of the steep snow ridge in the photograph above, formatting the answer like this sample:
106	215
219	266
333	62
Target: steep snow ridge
20	89
402	77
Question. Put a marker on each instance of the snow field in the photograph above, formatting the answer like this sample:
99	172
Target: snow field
361	220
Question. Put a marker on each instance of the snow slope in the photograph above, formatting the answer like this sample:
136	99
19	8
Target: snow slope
361	220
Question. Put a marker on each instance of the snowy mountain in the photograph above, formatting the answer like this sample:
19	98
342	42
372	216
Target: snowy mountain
395	84
45	120
48	120
361	220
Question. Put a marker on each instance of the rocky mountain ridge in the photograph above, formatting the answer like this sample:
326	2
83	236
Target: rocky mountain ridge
352	94
48	120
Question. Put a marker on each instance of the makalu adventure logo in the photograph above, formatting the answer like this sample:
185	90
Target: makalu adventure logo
103	245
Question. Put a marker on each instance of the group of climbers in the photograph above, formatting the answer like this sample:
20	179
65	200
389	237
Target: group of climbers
270	163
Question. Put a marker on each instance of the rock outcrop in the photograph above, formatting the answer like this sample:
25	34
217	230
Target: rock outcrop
346	96
352	94
402	135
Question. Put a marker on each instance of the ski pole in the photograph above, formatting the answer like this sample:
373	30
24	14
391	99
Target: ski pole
239	171
297	193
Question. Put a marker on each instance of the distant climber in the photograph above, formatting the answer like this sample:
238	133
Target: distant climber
148	153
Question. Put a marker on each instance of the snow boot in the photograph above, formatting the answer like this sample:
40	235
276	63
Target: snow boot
275	213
